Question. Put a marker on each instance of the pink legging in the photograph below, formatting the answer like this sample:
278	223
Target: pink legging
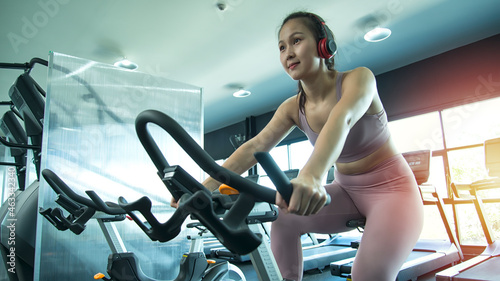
387	196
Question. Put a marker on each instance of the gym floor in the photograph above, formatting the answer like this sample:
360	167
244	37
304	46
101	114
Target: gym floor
316	275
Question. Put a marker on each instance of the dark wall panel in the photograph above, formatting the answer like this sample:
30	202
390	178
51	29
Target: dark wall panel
463	75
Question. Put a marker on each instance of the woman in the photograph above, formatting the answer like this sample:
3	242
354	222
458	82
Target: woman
343	117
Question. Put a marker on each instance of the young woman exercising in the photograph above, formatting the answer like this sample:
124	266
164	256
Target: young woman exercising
343	117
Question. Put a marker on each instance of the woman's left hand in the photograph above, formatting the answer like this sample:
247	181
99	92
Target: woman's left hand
308	197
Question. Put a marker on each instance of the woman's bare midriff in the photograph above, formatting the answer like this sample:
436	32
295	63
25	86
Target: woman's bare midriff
365	164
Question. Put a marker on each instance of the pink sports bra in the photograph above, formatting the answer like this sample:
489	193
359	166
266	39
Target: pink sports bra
364	138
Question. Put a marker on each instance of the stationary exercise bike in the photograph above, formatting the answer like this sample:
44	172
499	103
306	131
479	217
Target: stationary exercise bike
123	265
231	227
226	219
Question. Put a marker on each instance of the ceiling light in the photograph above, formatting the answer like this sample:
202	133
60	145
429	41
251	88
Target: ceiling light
125	63
377	34
241	93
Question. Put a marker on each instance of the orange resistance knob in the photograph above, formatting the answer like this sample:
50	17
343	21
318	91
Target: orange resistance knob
98	276
227	190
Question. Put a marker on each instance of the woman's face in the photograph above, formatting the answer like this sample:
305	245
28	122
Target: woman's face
298	49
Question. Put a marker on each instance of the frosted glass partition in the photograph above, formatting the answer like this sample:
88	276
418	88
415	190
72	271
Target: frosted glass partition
89	140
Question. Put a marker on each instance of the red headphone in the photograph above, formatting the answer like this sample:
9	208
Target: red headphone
326	45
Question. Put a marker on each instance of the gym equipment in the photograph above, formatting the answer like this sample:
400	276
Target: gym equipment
123	265
316	255
19	222
231	227
18	214
27	96
16	138
260	214
485	266
426	256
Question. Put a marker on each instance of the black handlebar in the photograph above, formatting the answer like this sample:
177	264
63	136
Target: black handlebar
275	174
231	228
96	203
278	177
200	156
80	209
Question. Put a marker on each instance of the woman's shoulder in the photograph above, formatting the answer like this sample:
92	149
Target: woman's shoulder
290	108
292	101
358	73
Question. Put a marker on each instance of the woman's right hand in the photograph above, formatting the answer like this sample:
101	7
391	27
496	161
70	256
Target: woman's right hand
308	197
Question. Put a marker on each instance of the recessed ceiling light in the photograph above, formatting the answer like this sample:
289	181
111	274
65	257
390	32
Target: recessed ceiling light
377	34
241	93
125	63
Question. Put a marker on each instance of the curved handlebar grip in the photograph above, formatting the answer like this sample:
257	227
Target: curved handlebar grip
278	177
193	149
60	187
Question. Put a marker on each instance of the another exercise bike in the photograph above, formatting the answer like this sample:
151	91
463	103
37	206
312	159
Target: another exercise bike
123	265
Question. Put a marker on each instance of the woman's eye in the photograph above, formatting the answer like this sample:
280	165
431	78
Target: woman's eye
282	48
296	40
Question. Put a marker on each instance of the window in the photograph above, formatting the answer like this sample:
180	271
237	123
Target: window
472	123
458	148
417	133
299	154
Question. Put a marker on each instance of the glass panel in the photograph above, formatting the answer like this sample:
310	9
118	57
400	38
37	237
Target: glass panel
433	223
437	176
472	123
470	229
300	153
467	165
90	142
417	132
493	213
280	155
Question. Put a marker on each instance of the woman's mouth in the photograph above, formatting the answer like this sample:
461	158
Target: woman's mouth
293	65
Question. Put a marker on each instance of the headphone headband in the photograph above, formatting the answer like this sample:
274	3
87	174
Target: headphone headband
326	45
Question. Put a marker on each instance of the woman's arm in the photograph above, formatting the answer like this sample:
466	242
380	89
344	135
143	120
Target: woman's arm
359	90
278	127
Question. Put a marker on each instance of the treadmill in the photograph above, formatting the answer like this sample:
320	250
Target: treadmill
485	266
427	255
